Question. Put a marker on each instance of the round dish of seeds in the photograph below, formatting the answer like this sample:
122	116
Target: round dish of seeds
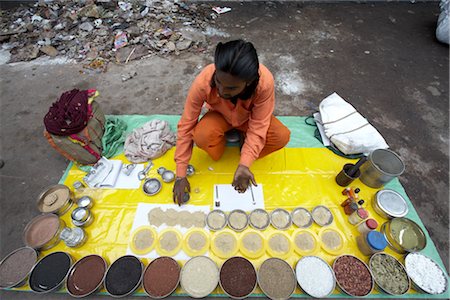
238	220
216	220
280	219
301	217
259	219
322	215
389	274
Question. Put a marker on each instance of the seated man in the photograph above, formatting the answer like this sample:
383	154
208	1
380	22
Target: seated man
240	94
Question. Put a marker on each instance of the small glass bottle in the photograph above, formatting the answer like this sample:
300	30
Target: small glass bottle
357	216
367	226
371	243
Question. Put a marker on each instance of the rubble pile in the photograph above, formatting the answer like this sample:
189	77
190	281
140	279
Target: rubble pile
99	31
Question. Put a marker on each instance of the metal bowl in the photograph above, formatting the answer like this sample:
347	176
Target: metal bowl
415	285
285	212
151	186
60	284
216	211
52	241
372	283
23	280
85	202
73	269
374	277
329	268
395	244
190	170
259	211
309	214
238	211
168	176
161	170
315	219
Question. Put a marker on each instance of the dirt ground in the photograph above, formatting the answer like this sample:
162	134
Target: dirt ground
383	58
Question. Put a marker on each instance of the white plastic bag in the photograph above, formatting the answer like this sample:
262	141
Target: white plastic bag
442	30
347	129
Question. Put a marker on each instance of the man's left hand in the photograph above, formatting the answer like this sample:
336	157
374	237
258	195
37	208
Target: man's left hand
243	177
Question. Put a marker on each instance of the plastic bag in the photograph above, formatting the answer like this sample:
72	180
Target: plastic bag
442	30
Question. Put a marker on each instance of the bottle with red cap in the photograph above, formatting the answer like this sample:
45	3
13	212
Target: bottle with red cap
367	226
358	216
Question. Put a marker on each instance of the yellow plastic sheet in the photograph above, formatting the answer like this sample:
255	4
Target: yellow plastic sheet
290	177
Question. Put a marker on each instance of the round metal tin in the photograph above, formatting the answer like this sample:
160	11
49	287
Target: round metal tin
151	186
82	217
76	266
23	280
168	176
365	265
390	204
236	212
259	211
55	199
281	211
53	241
394	242
85	202
296	211
220	212
384	289
414	284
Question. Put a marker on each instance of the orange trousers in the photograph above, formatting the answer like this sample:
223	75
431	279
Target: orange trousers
209	135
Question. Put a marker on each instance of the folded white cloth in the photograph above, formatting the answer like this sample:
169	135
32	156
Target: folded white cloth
150	141
347	129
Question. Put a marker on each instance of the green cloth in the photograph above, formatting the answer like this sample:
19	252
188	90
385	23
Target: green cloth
114	136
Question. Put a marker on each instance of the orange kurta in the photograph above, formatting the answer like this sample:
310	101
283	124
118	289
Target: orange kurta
257	111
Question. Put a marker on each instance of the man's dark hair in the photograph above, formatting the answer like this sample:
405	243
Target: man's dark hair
239	59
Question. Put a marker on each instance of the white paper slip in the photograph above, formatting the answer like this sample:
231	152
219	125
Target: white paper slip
130	182
230	199
141	219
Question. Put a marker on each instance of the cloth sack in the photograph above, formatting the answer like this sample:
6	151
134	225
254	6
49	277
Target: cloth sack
85	146
347	129
150	141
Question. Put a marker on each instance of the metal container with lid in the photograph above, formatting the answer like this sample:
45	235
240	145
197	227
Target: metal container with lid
82	217
73	237
42	232
55	199
404	235
85	202
390	204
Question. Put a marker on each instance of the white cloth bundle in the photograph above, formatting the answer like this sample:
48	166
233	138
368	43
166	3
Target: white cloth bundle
347	129
150	141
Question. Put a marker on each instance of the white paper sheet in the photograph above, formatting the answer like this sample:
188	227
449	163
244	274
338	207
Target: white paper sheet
131	181
231	199
141	219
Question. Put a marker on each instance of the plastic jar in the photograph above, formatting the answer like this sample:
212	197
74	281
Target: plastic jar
357	216
371	243
367	226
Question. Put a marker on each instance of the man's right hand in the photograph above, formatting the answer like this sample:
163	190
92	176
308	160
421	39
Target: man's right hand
180	187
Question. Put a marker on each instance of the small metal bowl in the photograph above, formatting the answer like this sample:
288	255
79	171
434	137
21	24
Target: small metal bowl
161	170
375	278
297	210
190	170
168	176
241	212
151	186
81	217
85	202
23	280
220	212
317	221
259	211
282	211
372	283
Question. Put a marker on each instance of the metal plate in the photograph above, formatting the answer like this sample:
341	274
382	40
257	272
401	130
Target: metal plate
151	186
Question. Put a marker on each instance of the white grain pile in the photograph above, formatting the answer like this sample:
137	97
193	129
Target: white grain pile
315	276
425	273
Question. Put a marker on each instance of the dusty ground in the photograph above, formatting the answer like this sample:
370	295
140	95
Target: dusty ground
383	58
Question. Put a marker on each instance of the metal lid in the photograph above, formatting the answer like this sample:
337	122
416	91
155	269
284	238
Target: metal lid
392	203
376	240
80	214
85	202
